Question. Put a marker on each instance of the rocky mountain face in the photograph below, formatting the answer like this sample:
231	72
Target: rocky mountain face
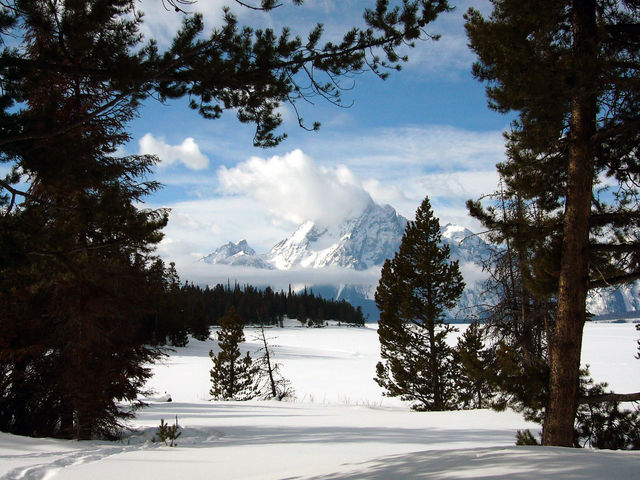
366	241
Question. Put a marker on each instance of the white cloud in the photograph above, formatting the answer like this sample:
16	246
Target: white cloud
197	227
400	166
295	188
467	184
188	152
383	194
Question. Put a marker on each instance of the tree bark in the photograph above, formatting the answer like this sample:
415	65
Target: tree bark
574	267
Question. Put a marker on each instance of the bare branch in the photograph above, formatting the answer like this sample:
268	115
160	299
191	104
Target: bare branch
177	4
253	7
608	282
14	191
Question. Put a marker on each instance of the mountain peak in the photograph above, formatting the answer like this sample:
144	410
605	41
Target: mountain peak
358	242
455	232
237	254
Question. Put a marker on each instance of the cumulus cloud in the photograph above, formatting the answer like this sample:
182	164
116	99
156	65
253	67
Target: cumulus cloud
384	193
295	188
188	152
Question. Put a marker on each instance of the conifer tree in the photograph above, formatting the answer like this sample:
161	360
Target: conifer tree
77	277
473	363
520	321
570	68
416	289
232	377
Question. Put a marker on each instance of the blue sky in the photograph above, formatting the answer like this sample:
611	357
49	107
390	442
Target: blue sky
426	130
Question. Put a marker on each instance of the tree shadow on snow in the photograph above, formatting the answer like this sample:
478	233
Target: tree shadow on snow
513	463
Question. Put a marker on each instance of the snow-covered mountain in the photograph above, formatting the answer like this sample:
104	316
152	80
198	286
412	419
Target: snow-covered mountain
236	254
609	301
359	243
367	240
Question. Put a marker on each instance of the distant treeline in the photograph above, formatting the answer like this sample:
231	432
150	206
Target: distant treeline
191	309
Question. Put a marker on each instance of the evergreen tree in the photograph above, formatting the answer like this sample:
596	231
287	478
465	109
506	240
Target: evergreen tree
416	288
232	377
77	278
520	321
604	424
570	69
473	362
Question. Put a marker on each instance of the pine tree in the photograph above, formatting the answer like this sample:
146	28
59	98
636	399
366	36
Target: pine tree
416	288
520	321
82	278
232	377
473	363
570	69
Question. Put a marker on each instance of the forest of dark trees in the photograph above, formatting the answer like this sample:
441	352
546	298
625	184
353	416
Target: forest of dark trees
191	310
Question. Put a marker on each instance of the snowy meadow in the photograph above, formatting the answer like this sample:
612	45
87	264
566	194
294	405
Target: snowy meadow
338	427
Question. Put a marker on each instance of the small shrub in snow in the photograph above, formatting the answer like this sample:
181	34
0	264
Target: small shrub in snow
525	437
167	433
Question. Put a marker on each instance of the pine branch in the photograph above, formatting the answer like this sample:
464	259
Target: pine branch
14	191
602	219
67	128
609	397
618	129
615	248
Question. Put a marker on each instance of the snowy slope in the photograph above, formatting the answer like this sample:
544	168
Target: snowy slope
339	428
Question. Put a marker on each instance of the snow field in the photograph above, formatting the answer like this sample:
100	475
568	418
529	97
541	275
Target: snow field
339	427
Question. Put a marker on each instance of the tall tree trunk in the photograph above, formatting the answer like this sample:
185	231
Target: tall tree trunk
574	269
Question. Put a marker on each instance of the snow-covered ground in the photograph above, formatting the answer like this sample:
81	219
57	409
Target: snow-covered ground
340	426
